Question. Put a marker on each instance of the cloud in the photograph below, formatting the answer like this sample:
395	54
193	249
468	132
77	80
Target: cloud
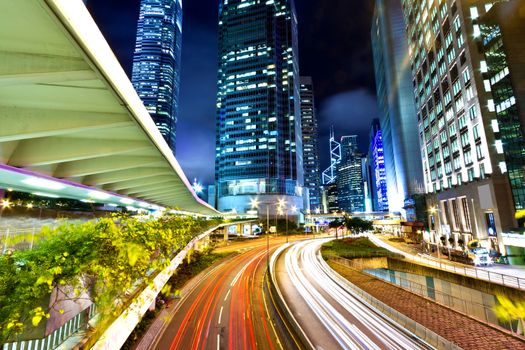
350	113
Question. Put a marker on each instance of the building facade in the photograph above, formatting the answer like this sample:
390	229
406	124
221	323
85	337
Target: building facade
464	166
312	176
259	142
399	128
378	172
350	185
156	63
503	47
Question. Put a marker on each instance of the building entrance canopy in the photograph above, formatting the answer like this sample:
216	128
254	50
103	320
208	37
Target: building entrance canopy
68	110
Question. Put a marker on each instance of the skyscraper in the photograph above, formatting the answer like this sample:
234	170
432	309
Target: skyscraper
501	39
312	177
464	162
259	141
403	166
377	159
350	190
156	63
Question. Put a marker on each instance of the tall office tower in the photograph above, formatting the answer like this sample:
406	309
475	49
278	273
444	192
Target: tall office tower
459	129
378	167
501	39
156	63
329	175
404	174
350	189
259	140
312	177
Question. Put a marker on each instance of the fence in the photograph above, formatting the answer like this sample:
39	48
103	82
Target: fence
493	277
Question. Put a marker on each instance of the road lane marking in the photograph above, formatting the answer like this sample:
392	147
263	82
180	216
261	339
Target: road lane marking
220	314
227	294
241	271
218	341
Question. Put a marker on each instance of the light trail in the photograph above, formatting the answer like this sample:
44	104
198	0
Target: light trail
352	323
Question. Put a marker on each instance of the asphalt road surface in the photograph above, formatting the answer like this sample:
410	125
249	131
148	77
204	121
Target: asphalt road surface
329	314
227	308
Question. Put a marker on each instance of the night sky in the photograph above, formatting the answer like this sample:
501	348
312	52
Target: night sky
334	48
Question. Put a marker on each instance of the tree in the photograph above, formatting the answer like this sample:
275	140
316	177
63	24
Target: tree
357	225
336	224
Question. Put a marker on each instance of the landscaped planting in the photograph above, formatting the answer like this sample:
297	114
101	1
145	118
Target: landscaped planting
102	261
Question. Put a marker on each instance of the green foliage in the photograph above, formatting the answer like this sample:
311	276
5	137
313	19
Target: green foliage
358	225
337	223
351	248
101	260
509	310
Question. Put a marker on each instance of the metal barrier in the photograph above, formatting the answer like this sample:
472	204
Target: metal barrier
467	307
493	277
410	325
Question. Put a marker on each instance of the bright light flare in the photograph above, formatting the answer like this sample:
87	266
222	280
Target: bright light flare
6	203
254	202
43	183
98	195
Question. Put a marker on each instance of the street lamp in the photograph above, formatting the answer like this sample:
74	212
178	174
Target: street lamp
435	210
254	202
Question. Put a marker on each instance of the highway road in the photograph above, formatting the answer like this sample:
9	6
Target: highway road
227	308
331	317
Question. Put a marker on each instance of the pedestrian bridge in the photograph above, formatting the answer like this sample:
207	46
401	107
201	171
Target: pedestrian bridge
71	122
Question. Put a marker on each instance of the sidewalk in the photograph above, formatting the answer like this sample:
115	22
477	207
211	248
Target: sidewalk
466	332
507	275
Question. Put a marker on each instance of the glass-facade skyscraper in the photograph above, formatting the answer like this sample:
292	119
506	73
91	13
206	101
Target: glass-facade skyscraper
259	141
395	96
312	176
156	63
460	131
350	186
377	159
502	29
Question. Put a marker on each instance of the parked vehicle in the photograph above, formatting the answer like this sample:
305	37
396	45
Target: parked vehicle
480	256
475	256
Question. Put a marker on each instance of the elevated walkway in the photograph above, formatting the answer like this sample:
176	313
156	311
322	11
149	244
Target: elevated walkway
72	124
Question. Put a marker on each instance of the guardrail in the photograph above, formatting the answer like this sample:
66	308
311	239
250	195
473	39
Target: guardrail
410	325
467	307
493	277
274	288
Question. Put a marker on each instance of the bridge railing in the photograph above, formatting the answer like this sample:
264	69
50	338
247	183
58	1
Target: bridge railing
481	274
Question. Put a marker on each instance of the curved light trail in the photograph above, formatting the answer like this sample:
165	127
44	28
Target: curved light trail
351	322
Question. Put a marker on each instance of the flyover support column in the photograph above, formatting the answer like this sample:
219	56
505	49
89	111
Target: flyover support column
225	228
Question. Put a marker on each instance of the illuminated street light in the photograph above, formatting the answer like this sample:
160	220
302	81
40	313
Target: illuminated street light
254	202
197	187
6	203
29	205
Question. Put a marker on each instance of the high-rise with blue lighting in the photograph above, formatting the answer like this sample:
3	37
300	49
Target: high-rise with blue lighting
350	185
259	142
397	111
156	63
378	170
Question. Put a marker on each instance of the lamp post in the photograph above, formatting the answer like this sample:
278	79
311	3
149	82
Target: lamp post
255	204
435	210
